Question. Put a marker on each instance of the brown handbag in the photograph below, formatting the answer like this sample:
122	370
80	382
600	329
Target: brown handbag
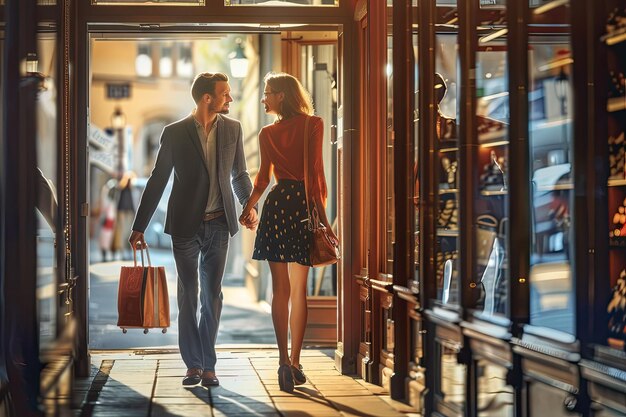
142	297
324	249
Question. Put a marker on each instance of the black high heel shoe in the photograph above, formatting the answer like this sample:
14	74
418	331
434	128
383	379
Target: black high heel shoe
285	378
298	376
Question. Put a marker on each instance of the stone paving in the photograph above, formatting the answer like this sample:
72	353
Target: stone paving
148	384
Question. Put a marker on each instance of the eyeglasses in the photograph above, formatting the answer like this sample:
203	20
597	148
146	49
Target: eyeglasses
267	93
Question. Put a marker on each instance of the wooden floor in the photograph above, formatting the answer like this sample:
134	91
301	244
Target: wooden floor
148	384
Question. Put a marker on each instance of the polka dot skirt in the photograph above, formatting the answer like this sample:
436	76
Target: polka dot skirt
282	236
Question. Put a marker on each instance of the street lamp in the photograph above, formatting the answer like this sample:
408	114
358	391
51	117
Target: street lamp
118	123
238	61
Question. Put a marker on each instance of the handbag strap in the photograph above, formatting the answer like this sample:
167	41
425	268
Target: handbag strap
487	220
306	170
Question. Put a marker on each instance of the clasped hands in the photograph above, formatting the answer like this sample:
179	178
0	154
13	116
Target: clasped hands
249	218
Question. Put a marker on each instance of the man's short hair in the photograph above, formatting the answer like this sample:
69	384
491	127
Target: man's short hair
205	83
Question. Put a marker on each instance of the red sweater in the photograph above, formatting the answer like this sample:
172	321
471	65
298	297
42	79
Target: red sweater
282	153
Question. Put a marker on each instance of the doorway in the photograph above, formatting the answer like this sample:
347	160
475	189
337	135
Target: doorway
139	83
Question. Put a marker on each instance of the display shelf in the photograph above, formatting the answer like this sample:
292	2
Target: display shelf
617	242
448	232
615	37
556	187
449	150
488	193
501	141
617	183
448	191
616	104
496	138
448	145
616	343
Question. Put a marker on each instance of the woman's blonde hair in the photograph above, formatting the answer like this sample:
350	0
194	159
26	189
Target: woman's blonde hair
296	99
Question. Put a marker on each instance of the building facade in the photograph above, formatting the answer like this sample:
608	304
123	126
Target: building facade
477	159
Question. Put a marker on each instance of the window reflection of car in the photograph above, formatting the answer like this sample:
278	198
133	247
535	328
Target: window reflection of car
154	234
551	184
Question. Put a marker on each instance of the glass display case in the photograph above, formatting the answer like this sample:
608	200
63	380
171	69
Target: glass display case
492	204
42	68
389	195
489	143
550	137
615	41
449	391
447	144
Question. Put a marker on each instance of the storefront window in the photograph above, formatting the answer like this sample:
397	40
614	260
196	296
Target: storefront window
41	66
492	206
319	75
390	219
447	258
550	105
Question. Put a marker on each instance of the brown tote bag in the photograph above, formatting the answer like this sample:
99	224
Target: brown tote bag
324	249
142	297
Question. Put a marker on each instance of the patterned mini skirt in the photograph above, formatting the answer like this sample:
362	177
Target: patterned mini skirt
283	235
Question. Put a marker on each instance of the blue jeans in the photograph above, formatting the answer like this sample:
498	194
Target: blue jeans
196	340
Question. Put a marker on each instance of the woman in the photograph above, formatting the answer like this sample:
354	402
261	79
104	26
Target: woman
283	238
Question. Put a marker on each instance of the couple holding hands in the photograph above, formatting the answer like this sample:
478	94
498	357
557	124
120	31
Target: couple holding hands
205	151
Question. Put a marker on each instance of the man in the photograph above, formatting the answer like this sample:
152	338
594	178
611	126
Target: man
205	150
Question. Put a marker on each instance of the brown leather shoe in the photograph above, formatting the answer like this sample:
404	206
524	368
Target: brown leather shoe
193	376
209	379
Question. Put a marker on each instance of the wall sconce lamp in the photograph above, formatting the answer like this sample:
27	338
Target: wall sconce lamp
238	61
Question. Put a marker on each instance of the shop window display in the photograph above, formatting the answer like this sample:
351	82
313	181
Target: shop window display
615	40
550	138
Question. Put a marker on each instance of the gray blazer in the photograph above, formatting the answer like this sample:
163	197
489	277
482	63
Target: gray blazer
181	151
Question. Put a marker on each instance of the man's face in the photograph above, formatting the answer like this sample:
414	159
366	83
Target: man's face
219	101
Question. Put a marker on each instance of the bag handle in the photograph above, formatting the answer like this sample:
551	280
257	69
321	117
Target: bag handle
487	220
141	251
503	223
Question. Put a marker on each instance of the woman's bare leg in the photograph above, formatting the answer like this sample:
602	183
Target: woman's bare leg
280	307
297	278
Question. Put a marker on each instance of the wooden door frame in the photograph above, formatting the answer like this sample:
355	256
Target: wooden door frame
348	295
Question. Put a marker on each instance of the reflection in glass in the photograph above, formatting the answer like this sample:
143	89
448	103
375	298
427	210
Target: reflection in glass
550	139
281	2
319	74
495	397
390	229
492	119
46	114
452	381
447	142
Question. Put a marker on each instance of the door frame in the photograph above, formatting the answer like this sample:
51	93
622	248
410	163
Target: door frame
347	345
